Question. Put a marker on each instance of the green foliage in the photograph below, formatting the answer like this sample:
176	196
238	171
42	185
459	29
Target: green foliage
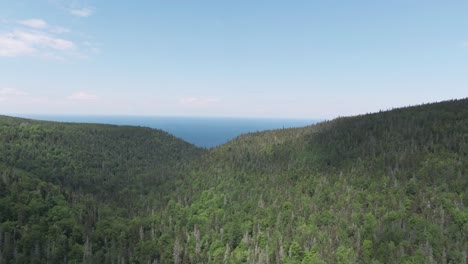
295	252
312	257
389	187
345	255
367	251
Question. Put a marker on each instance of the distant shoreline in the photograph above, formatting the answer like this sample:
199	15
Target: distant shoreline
204	132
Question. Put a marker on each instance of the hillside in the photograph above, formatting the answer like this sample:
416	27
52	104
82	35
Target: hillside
388	187
59	179
95	159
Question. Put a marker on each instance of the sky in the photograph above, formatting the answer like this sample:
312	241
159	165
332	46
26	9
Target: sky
243	58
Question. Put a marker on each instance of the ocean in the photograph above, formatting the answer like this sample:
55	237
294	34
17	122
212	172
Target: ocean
206	132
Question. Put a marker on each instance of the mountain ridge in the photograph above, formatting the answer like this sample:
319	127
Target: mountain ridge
387	187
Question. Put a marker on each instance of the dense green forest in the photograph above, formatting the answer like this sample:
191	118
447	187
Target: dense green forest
387	187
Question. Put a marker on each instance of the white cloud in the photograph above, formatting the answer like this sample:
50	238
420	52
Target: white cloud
82	96
82	12
24	42
45	40
36	38
58	30
12	47
12	102
92	47
198	101
11	92
79	8
34	23
465	44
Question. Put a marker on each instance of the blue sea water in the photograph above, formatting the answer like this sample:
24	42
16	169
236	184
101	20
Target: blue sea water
204	132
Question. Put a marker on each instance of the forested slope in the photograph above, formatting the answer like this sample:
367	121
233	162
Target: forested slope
95	159
388	187
61	184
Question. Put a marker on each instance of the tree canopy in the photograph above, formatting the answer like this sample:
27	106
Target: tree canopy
388	187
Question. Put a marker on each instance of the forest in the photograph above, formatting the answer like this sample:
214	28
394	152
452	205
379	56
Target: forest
386	187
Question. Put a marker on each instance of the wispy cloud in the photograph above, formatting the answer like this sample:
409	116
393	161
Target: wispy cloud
10	46
11	92
40	24
12	97
25	42
79	8
58	30
198	101
35	37
82	12
91	47
34	23
82	96
465	44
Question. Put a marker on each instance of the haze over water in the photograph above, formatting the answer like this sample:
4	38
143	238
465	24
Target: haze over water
204	132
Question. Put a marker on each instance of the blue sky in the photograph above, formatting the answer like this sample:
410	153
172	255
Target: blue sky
243	58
